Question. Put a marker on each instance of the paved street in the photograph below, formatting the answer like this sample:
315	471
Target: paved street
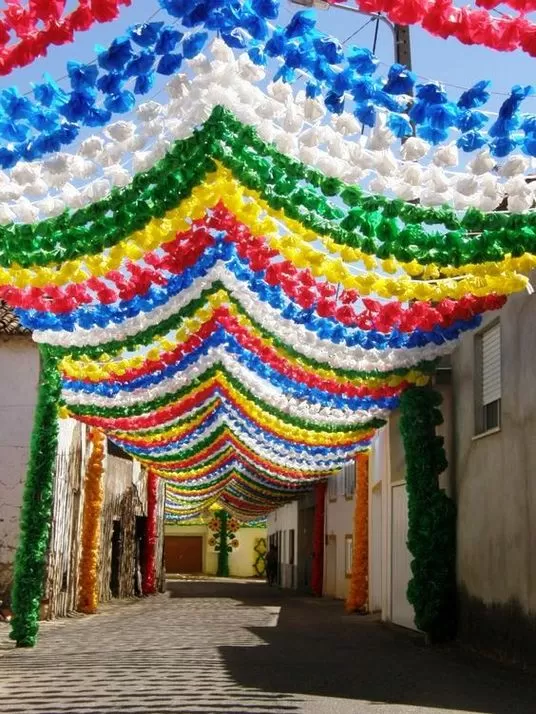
242	648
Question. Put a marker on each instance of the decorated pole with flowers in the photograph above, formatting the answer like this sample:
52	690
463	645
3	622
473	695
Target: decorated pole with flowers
358	593
88	596
432	516
317	572
36	512
149	553
223	540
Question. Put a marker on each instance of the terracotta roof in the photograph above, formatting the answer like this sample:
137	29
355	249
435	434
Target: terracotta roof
9	323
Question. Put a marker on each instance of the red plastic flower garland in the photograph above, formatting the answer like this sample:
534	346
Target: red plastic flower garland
33	42
472	26
149	555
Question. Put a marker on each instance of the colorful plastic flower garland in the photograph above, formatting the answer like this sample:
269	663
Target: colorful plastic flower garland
357	599
472	26
88	592
42	24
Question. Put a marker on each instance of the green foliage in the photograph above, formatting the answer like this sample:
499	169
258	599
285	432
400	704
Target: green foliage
431	514
36	513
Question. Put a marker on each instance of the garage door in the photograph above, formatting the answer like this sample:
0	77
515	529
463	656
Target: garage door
183	554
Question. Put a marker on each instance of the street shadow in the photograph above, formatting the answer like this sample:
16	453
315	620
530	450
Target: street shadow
317	649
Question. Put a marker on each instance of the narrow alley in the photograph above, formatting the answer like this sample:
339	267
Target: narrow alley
235	647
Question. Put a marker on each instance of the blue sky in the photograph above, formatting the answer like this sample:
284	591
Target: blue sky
434	58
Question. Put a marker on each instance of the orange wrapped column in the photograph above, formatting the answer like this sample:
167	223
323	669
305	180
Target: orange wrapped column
317	572
358	594
88	596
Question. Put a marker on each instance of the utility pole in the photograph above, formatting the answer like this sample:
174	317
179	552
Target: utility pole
401	33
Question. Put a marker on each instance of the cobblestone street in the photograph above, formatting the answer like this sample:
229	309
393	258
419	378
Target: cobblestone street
239	647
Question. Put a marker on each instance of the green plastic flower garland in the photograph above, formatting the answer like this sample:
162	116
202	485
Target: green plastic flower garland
36	514
432	516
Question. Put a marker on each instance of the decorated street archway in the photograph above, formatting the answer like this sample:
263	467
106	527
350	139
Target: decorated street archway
239	283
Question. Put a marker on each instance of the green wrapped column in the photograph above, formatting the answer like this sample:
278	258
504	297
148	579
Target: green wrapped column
36	512
224	549
431	516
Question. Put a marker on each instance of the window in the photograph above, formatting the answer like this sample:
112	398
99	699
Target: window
488	373
332	488
348	554
348	471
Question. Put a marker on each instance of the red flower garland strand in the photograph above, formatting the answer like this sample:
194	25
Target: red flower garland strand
317	571
358	594
35	42
471	26
149	553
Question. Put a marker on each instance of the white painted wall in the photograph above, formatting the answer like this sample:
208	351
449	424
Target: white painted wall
339	523
19	370
285	519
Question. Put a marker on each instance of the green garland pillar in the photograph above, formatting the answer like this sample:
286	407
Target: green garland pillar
223	552
431	516
36	512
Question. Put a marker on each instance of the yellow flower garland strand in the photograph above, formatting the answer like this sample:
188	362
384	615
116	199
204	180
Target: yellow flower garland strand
221	185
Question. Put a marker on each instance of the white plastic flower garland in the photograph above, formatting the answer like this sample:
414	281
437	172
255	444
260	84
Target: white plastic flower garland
296	336
293	122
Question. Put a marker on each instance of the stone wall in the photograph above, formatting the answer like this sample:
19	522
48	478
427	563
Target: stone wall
19	371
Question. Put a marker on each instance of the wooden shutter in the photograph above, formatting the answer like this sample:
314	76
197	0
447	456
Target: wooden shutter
491	365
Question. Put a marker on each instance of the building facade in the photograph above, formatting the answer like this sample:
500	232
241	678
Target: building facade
188	549
124	507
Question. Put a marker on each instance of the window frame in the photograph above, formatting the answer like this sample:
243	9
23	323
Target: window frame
483	424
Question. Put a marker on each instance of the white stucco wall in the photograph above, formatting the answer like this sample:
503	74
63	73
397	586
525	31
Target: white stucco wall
339	521
496	473
19	370
284	520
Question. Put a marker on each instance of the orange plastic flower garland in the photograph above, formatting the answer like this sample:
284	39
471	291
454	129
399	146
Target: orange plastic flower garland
358	594
317	571
88	593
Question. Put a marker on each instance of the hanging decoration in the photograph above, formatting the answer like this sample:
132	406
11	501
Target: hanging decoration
151	536
237	285
127	68
88	595
357	599
471	26
42	24
36	512
432	516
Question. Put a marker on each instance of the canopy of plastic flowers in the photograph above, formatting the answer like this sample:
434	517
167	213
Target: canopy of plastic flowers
237	284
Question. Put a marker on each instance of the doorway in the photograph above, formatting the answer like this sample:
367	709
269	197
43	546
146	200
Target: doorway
183	554
115	573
